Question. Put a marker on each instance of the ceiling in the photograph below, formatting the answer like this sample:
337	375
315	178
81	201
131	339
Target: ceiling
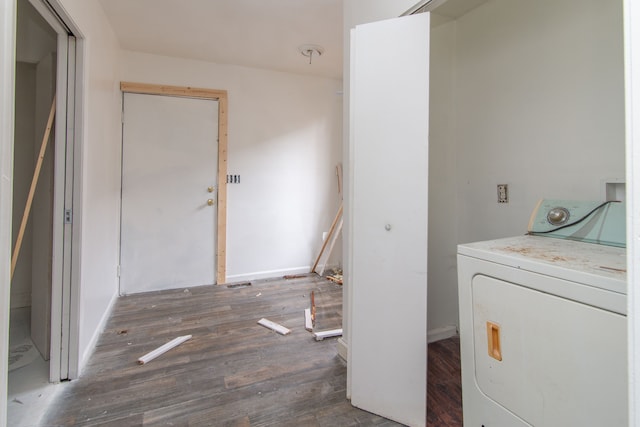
254	33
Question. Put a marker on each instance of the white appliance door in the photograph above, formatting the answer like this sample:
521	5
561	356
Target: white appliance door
389	119
553	362
169	188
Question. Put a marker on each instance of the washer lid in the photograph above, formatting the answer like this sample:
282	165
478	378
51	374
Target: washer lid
594	265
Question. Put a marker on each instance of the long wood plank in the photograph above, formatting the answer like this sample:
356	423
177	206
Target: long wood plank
32	189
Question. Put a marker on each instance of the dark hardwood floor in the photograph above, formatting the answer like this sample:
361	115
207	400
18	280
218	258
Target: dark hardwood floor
444	391
233	372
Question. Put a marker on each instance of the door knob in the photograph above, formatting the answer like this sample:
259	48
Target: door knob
210	202
210	189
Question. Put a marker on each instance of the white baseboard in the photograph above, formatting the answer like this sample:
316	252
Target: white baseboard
342	348
86	355
267	274
442	333
433	335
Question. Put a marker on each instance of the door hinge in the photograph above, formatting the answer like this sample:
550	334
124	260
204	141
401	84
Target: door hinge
68	216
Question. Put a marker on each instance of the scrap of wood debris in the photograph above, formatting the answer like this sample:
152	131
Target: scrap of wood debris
313	309
308	323
621	270
336	278
239	285
320	335
163	349
274	326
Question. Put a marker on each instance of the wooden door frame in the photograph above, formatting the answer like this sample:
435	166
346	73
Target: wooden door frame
221	97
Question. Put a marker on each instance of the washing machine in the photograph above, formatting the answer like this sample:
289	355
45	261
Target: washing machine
543	331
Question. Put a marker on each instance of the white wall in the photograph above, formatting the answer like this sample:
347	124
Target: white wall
443	205
23	163
100	183
284	141
538	104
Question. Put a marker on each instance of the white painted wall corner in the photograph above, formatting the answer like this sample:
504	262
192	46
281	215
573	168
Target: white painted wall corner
90	348
442	333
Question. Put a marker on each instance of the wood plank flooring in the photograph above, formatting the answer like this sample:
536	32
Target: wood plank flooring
233	372
444	391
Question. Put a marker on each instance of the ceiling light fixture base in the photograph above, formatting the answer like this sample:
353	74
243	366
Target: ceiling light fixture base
309	50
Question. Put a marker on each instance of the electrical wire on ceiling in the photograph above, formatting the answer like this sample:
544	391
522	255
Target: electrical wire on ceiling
309	50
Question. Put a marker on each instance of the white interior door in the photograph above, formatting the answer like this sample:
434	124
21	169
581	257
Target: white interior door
389	123
169	188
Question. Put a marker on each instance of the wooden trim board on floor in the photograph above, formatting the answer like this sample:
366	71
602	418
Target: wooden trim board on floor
308	323
222	98
320	335
274	326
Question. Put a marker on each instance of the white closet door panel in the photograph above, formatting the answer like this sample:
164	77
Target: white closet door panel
390	110
170	157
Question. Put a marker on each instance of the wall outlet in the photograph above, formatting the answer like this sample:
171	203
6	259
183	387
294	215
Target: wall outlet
503	193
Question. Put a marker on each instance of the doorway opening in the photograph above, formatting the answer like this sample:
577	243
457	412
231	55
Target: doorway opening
43	323
36	53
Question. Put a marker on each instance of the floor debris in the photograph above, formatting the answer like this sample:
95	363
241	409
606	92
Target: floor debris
320	335
239	285
313	309
274	326
308	324
337	278
163	349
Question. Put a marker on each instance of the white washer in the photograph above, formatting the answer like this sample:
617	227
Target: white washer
543	333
